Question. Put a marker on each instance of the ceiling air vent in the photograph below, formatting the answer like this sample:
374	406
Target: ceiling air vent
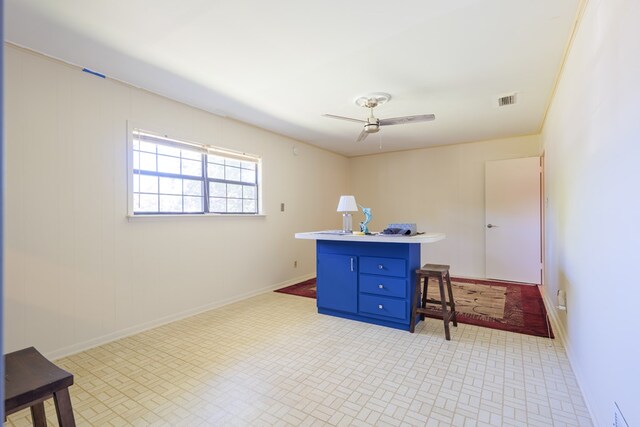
507	100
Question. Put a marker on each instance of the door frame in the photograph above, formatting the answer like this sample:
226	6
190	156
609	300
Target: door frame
543	210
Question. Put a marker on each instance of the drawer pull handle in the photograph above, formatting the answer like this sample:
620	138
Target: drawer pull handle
380	266
381	286
380	306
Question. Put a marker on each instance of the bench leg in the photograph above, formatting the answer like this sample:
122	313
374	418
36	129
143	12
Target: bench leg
38	415
63	408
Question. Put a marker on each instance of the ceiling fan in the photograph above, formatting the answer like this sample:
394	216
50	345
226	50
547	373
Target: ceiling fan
372	124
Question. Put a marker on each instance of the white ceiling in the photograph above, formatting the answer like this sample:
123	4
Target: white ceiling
281	64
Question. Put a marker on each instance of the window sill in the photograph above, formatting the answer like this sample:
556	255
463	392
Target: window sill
173	216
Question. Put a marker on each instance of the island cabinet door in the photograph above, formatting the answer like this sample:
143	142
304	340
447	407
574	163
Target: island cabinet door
337	282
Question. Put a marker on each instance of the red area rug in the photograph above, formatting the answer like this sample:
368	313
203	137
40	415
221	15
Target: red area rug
302	289
491	304
523	310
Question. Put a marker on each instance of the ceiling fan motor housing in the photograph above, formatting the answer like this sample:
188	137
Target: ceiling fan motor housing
372	100
372	127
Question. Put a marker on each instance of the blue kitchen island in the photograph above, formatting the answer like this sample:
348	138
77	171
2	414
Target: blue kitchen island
367	278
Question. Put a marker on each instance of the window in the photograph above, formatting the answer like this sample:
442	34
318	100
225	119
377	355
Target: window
175	177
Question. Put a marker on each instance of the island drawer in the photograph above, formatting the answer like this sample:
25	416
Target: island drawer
383	306
383	266
382	285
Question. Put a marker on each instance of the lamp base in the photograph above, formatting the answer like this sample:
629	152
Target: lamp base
347	223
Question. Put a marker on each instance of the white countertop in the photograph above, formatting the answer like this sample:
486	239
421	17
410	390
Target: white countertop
339	236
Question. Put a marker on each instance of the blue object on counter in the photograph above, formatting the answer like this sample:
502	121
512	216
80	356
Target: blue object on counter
364	225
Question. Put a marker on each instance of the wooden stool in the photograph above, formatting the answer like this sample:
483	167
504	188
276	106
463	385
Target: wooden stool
29	380
440	272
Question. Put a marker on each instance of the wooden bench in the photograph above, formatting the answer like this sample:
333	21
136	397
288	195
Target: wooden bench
29	380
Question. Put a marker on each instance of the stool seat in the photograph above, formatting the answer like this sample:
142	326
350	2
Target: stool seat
440	272
30	379
435	268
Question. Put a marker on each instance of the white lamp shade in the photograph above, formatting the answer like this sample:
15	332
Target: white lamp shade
347	204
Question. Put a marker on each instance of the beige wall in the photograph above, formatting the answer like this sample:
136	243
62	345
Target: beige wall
441	189
591	140
78	272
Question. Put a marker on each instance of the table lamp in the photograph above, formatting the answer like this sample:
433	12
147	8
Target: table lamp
347	204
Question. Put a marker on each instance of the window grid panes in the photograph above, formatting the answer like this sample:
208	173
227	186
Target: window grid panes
168	179
232	185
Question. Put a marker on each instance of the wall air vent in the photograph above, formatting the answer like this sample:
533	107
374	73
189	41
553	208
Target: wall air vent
507	100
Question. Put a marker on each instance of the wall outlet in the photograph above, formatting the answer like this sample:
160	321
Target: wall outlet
295	264
618	418
562	300
281	207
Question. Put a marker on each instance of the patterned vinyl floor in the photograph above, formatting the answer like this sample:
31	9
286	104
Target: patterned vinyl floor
272	360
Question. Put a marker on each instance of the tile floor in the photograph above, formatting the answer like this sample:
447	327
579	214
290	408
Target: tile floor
272	360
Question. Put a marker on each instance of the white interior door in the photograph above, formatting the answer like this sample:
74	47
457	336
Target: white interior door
512	214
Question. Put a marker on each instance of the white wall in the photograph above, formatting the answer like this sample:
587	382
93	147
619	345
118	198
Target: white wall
591	140
441	189
77	271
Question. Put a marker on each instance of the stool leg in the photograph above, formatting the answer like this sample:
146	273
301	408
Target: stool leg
452	303
424	295
38	415
445	314
63	408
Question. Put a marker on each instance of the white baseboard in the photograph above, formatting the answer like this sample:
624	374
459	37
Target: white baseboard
460	276
552	312
561	333
94	342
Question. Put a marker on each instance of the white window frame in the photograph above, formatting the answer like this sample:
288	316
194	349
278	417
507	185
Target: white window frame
206	151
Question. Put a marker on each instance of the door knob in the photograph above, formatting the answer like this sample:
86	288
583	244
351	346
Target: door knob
491	225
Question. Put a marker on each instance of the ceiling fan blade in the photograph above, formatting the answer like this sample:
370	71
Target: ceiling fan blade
332	116
362	135
407	119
